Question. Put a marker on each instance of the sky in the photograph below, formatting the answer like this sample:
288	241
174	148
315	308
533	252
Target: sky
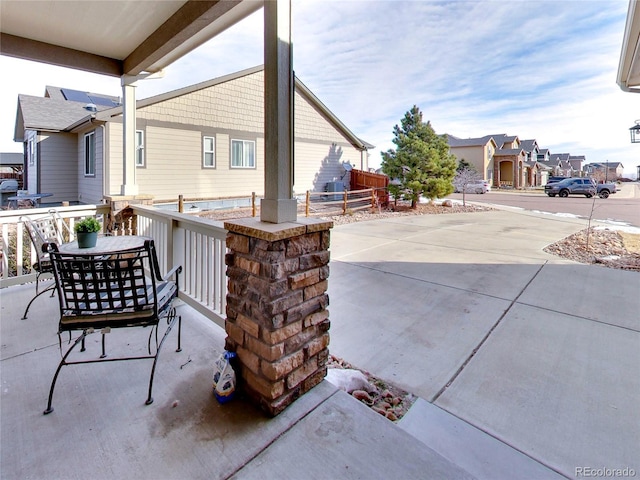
543	70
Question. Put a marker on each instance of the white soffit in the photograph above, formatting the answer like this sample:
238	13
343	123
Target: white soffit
629	67
114	37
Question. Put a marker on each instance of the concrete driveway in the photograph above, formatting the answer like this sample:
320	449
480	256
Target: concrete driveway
467	312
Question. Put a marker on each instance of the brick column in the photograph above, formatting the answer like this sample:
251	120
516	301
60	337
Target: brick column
121	220
277	317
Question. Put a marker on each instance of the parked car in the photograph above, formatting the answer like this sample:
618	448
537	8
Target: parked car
556	179
479	186
579	186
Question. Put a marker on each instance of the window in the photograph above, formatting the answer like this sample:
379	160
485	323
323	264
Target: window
32	151
243	154
208	152
90	154
139	148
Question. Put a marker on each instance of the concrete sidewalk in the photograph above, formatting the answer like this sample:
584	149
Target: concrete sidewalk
467	312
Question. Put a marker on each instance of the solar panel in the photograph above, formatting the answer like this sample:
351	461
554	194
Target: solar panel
75	95
107	102
84	97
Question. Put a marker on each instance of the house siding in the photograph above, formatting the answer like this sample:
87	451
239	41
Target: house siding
320	150
174	167
114	170
90	188
476	155
57	173
231	110
233	105
323	164
31	180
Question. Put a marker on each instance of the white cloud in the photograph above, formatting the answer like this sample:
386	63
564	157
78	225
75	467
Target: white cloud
536	69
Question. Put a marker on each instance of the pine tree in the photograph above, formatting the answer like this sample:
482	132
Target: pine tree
421	164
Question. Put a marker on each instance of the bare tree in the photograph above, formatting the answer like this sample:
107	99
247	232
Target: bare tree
463	178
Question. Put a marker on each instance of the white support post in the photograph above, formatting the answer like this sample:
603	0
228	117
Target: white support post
278	206
129	186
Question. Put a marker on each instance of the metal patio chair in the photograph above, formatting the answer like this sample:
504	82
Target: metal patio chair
99	292
44	231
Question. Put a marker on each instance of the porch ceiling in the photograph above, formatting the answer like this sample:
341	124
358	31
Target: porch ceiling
629	66
115	37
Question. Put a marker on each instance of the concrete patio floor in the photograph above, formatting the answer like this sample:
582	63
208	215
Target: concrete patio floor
526	366
101	429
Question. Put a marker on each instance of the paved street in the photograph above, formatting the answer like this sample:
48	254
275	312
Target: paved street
467	312
623	207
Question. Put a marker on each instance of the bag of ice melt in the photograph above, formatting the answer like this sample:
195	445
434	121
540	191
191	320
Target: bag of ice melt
224	378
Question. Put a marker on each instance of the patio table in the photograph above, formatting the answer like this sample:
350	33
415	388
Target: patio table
106	245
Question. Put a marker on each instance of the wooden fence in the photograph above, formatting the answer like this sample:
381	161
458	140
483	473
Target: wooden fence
339	203
360	180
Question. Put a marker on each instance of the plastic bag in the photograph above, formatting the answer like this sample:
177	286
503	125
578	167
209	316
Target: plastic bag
224	378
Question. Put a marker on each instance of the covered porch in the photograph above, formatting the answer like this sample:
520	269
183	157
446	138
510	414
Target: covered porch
101	428
274	309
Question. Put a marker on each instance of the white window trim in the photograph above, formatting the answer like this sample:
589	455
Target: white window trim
140	148
32	151
91	136
205	151
243	144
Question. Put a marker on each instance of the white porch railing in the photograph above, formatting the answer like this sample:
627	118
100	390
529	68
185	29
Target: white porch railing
198	244
18	254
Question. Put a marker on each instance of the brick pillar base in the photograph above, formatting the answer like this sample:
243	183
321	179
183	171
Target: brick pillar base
121	220
277	317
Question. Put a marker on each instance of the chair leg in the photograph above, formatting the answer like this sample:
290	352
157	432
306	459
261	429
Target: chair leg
26	311
179	349
155	359
60	365
104	352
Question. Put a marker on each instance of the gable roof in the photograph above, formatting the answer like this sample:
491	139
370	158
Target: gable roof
54	113
529	145
559	157
502	138
605	165
468	142
300	87
45	114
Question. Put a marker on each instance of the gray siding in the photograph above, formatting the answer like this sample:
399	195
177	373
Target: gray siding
90	188
58	172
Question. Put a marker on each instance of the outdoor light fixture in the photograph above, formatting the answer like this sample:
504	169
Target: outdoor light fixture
635	132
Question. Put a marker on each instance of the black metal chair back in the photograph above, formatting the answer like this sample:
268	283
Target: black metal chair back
99	292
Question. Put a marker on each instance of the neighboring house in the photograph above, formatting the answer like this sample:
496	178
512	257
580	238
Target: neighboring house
606	170
11	166
532	172
499	158
476	151
577	161
562	165
203	141
531	150
543	155
508	162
